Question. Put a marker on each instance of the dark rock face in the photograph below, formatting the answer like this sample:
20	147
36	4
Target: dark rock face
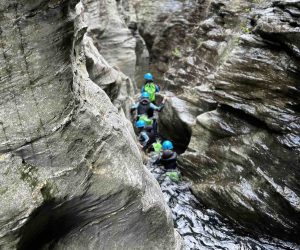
163	26
237	85
203	228
71	174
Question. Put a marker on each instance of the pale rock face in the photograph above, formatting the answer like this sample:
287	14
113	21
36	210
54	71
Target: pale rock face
71	174
237	110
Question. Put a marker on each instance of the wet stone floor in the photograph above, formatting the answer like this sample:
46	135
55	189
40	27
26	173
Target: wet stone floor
203	228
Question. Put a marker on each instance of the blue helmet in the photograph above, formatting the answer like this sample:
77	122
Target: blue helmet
140	124
167	145
148	76
145	95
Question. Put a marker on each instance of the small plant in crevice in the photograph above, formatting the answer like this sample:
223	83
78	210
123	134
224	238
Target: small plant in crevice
177	53
245	29
257	1
247	10
199	43
237	41
28	174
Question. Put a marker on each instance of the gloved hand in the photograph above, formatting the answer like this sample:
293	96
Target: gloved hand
161	107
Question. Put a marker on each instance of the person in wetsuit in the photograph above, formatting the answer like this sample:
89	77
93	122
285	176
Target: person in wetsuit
151	88
168	157
144	105
146	134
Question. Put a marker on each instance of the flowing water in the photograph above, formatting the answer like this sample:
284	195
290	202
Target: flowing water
203	228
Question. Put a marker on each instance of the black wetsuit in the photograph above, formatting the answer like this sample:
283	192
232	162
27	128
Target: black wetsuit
168	159
144	107
150	133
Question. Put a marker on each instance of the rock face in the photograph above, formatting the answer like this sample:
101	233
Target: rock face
163	25
237	108
71	174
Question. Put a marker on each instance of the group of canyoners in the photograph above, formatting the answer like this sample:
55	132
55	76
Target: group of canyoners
146	127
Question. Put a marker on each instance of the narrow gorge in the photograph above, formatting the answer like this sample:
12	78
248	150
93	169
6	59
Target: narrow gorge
71	172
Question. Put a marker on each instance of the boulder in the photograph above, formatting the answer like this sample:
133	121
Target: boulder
243	154
71	174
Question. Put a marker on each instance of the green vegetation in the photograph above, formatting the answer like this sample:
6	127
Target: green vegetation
177	53
199	43
244	28
236	41
47	192
257	1
3	190
246	10
29	175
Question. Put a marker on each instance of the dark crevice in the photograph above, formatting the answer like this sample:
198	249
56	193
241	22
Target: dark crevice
55	219
181	141
272	39
111	89
48	223
149	40
250	119
295	107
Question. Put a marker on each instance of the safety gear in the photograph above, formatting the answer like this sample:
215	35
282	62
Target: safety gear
148	122
140	124
148	77
167	145
143	107
174	176
168	159
145	95
157	146
151	90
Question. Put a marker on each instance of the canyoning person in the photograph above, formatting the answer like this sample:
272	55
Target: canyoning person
168	159
146	134
150	87
144	105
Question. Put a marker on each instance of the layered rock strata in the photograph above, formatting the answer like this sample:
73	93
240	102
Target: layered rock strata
237	112
71	174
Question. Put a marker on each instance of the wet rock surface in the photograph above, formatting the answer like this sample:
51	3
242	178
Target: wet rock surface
234	69
236	83
162	25
71	174
203	228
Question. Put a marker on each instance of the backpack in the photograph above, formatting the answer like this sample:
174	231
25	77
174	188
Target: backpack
143	107
174	175
150	89
157	146
145	118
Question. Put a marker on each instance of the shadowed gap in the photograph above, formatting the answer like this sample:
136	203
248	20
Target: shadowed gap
56	218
